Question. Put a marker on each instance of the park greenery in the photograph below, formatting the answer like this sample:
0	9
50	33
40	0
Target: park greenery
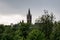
45	28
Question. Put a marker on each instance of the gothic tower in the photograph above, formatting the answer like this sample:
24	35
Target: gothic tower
29	17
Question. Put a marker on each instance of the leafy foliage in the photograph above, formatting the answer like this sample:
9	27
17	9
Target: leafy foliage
36	34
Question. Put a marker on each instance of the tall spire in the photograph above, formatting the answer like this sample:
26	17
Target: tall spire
29	17
29	11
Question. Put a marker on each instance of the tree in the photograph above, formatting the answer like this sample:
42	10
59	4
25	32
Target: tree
17	35
55	35
2	28
7	34
36	34
46	24
24	29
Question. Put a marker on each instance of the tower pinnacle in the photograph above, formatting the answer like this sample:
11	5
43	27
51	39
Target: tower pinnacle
29	17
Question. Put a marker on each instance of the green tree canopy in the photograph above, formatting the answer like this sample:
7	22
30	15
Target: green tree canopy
36	34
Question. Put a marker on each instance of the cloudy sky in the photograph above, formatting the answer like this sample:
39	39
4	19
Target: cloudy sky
13	11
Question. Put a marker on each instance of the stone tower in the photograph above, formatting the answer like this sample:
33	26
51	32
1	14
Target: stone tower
29	17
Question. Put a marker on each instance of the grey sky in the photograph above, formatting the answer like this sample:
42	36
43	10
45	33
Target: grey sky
20	7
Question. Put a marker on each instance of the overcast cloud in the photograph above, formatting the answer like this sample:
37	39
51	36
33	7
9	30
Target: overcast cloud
12	11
